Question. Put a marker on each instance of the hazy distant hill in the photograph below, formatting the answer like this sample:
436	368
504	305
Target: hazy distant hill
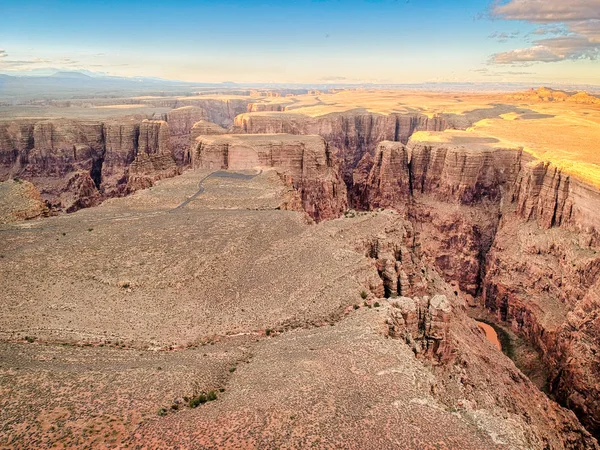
62	85
66	85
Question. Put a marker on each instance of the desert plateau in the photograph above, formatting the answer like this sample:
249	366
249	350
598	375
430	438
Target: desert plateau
330	264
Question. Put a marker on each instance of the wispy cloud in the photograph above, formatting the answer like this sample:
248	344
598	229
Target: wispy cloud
546	30
23	64
504	37
575	23
486	72
3	53
548	11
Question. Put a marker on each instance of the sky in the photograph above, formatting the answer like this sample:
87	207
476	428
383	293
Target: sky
303	41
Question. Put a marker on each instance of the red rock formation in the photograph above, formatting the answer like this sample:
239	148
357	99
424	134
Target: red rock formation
181	120
267	107
204	128
423	323
388	184
353	134
62	157
221	112
20	200
154	159
306	162
516	230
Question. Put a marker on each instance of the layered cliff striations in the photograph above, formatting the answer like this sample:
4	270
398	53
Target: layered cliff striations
515	232
77	164
305	162
352	134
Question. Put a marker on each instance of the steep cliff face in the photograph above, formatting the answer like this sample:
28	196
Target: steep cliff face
429	316
219	111
77	164
181	120
517	232
61	146
544	193
267	107
388	179
122	139
305	162
352	134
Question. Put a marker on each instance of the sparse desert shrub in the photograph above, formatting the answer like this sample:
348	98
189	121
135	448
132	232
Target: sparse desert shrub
162	412
356	306
17	180
198	400
212	395
174	406
30	339
376	305
221	389
231	369
90	229
364	295
268	332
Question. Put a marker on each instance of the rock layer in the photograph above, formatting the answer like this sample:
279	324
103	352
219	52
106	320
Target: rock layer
517	231
352	134
305	162
79	163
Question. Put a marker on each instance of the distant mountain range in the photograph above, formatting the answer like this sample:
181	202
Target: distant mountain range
60	84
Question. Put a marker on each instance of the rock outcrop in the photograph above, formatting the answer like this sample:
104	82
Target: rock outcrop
423	323
353	134
77	164
517	232
20	200
545	94
305	162
219	111
267	107
181	120
205	128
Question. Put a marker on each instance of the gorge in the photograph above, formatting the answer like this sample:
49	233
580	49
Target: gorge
488	221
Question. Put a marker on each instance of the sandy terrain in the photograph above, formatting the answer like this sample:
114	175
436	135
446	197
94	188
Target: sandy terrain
561	132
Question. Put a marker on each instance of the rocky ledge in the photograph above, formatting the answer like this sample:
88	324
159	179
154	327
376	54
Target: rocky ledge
517	234
304	162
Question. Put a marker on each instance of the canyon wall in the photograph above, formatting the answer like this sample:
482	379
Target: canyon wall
305	162
516	233
352	134
220	111
77	164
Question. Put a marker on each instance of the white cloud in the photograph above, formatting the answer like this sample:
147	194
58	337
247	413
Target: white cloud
3	53
548	11
503	37
576	24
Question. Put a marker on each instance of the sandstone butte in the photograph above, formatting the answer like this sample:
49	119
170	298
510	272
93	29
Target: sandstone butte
457	201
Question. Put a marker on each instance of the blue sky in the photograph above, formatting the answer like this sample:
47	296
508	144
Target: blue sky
388	41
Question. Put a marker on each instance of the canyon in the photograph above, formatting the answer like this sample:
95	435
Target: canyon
382	222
